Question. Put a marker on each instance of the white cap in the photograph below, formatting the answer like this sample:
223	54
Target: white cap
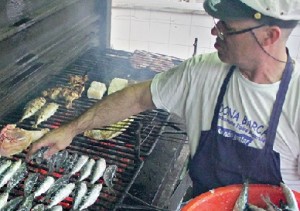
280	9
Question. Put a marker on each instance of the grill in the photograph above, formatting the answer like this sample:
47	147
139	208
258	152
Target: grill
128	151
42	44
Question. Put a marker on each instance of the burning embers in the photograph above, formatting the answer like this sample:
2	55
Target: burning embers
72	181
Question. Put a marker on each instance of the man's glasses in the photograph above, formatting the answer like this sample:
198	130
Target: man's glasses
224	30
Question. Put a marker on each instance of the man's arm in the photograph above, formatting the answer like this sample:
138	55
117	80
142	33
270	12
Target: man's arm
113	108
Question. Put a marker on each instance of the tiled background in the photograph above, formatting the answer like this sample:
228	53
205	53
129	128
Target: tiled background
170	33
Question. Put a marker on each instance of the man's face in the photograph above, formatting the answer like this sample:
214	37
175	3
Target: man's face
234	42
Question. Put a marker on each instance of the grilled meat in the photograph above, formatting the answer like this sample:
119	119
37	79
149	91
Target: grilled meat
14	140
32	107
52	93
78	79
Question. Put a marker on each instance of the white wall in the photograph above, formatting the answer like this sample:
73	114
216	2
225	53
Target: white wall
170	31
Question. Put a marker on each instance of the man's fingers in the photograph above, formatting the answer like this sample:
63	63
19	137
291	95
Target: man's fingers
35	147
50	151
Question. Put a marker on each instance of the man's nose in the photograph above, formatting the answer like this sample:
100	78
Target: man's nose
214	31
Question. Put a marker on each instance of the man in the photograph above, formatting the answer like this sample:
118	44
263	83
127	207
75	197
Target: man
240	105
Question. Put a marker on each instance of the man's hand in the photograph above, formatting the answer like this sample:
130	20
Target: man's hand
58	139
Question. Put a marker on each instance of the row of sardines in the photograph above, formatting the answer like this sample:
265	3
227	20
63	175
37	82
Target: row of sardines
45	191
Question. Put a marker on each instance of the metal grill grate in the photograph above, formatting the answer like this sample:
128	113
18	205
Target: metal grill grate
127	151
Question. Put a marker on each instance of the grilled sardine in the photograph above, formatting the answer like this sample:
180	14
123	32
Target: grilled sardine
46	112
32	107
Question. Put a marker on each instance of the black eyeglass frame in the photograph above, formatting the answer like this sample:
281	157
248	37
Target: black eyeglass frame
222	35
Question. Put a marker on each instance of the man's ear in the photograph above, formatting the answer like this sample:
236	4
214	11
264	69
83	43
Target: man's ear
272	34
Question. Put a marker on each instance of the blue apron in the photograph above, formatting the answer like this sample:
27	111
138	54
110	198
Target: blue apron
221	161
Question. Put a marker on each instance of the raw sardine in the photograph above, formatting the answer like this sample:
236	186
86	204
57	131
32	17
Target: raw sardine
87	169
56	208
242	200
32	107
60	158
38	207
30	183
17	177
4	165
46	184
62	194
13	203
45	113
80	192
290	197
7	175
109	175
70	162
98	170
58	184
79	164
91	197
27	203
3	199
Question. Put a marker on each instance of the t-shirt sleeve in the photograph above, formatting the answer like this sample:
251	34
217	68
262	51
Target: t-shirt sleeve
170	89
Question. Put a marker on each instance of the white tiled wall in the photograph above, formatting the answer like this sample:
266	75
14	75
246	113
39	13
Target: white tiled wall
169	33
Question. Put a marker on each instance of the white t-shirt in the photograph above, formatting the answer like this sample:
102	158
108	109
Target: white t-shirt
191	90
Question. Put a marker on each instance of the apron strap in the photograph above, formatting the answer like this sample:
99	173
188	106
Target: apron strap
214	122
278	105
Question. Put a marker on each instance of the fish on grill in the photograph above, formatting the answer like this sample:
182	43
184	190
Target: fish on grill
26	204
3	199
14	140
56	208
17	177
32	107
4	165
109	175
44	186
87	169
61	194
38	207
45	113
80	192
9	173
91	197
58	184
79	164
13	203
30	182
98	170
